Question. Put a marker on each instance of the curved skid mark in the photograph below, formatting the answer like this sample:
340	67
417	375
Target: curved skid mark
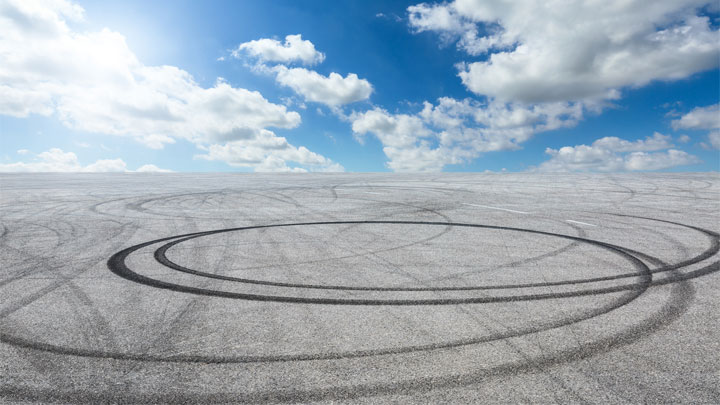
167	262
634	292
160	256
17	341
533	259
117	265
681	298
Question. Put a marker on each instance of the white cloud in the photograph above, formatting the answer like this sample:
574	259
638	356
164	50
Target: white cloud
23	102
149	168
93	82
22	151
714	138
404	138
269	153
657	161
55	160
541	51
438	17
457	131
295	49
699	118
546	64
332	90
684	138
106	165
156	141
657	142
611	154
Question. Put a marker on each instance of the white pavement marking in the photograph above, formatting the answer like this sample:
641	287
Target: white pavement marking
578	222
497	208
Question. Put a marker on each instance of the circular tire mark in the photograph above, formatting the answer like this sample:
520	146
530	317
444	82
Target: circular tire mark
118	266
631	295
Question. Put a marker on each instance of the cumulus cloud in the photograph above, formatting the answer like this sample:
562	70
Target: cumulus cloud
657	161
438	17
405	140
656	142
105	165
612	154
332	90
714	139
539	51
543	66
699	118
56	160
149	168
269	153
93	82
457	131
156	141
295	49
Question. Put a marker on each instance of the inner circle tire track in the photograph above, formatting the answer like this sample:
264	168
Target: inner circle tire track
161	256
117	265
622	301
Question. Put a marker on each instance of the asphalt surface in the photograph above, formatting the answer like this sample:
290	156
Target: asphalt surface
359	288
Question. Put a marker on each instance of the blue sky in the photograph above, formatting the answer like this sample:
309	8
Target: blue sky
469	85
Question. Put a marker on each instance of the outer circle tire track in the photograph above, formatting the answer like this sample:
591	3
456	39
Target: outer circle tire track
622	301
117	265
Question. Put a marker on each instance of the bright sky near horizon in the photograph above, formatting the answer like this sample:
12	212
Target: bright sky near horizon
288	85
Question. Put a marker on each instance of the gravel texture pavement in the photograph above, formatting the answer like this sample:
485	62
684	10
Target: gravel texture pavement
359	288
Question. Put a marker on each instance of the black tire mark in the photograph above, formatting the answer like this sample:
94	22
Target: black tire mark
697	273
27	300
40	263
117	265
534	259
98	328
419	208
160	256
682	296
